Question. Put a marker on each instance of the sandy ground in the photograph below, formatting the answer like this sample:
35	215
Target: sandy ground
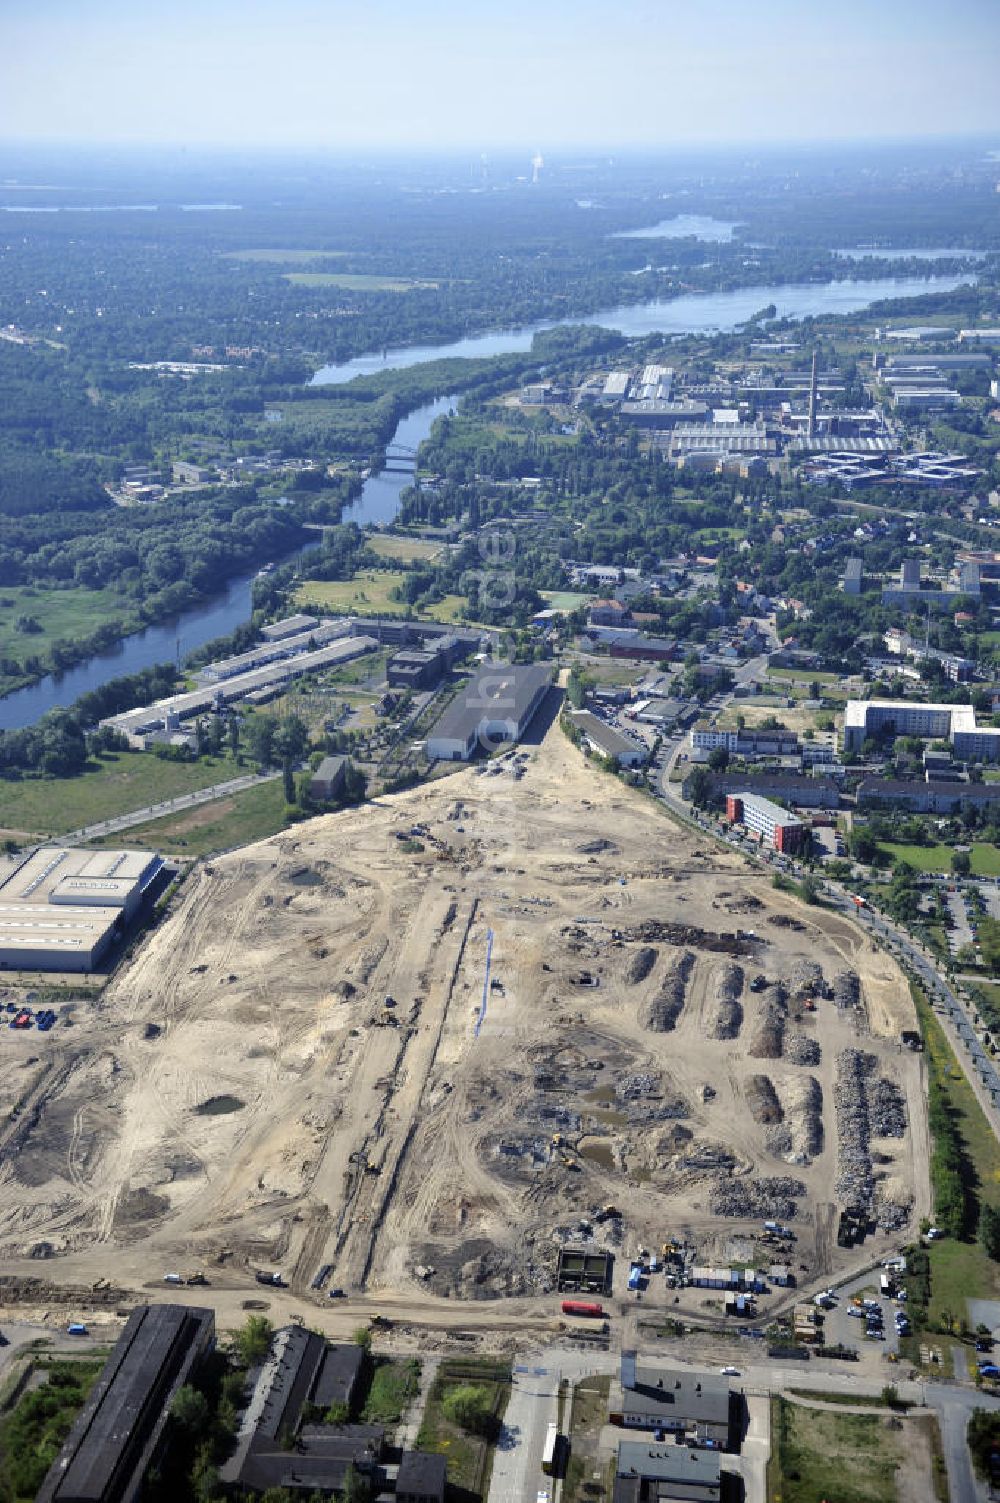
297	1070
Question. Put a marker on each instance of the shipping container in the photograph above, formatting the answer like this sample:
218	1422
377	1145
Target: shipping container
581	1307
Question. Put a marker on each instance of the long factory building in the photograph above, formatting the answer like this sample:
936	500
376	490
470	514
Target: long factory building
62	908
137	725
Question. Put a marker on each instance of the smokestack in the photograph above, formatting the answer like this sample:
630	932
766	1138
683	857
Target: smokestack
812	400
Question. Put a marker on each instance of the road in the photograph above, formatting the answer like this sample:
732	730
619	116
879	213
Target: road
533	1405
169	806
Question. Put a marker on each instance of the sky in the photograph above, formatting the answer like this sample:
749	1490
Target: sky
472	75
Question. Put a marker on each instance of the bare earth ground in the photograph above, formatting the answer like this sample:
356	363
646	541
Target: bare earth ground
400	1143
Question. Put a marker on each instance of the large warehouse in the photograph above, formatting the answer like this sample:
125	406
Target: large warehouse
61	908
497	705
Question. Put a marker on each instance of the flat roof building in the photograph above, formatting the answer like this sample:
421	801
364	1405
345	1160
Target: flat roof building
661	1472
649	1396
496	705
136	725
288	627
608	742
772	824
118	1434
864	718
62	907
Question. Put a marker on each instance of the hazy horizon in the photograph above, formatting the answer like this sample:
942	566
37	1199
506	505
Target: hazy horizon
246	74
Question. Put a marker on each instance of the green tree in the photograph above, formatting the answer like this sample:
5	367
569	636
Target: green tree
190	1410
699	787
961	863
989	1231
253	1340
357	1487
470	1407
718	759
983	1436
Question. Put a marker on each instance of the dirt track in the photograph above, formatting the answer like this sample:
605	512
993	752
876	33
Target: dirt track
404	1144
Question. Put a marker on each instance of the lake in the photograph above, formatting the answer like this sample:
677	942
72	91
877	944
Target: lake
693	313
684	227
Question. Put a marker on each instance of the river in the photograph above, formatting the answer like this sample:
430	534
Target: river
379	499
694	313
377	505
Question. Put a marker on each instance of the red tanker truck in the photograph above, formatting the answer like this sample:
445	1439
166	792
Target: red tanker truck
582	1307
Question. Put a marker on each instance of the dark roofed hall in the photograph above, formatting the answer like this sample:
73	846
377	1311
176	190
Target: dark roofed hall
118	1431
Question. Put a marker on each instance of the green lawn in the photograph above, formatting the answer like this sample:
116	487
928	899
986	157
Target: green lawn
469	1458
61	614
406	550
116	784
354	282
367	591
237	819
394	1384
564	600
818	1455
961	1270
937	858
370	592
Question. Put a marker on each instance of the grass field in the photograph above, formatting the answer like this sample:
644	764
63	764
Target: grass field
564	600
961	1270
588	1417
236	819
369	590
119	783
68	614
355	281
818	1455
406	550
937	858
394	1384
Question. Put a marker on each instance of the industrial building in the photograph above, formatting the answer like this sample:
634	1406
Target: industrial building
328	779
424	667
652	1473
606	741
871	718
496	705
276	649
799	792
118	1435
276	1449
61	909
772	824
651	1397
140	725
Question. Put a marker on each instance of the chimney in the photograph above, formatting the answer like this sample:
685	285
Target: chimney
812	399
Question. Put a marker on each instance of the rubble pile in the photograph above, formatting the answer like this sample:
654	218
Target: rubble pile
855	1183
758	1199
847	989
729	1014
656	931
887	1109
768	1036
804	1110
662	1012
762	1099
802	1049
806	980
639	965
